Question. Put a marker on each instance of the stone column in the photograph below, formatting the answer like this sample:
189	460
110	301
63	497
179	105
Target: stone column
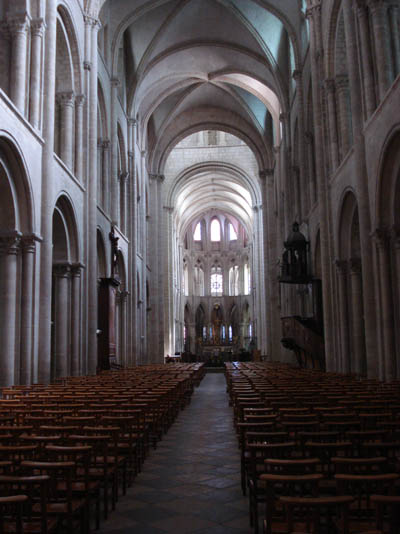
47	198
333	134
342	270
389	351
92	26
383	60
9	250
61	315
76	317
357	316
18	27
342	91
37	29
105	175
123	184
396	244
79	102
309	140
296	188
28	257
316	55
304	204
366	58
114	208
66	102
394	28
360	172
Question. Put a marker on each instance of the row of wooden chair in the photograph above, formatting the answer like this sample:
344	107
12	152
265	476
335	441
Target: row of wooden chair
69	448
312	443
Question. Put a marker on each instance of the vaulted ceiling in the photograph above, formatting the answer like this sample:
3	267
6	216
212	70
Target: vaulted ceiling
195	64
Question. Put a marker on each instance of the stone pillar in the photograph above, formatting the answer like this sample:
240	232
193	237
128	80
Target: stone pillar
342	270
79	102
92	26
105	175
61	317
37	29
366	58
394	28
123	184
296	188
316	55
389	350
305	203
66	102
333	134
357	317
47	198
28	257
396	243
9	250
342	91
76	317
114	208
360	171
309	140
19	33
383	60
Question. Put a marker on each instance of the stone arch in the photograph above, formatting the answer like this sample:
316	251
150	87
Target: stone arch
17	244
349	280
387	243
66	292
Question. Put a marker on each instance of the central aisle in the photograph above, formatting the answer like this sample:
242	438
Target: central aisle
191	482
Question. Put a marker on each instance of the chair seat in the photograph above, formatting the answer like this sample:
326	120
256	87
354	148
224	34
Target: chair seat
31	527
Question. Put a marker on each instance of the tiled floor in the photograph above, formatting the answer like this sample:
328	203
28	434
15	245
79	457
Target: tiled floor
191	482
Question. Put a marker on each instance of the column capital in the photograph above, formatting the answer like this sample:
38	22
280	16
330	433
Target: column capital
10	243
132	121
355	266
283	116
169	209
87	65
37	27
264	174
65	98
18	24
313	10
309	137
28	243
143	153
123	176
62	270
76	270
115	82
330	85
90	20
341	266
158	177
342	82
297	75
381	237
80	100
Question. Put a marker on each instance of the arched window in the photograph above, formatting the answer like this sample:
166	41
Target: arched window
230	333
216	281
185	280
223	332
204	333
215	230
247	279
234	281
199	281
232	233
197	232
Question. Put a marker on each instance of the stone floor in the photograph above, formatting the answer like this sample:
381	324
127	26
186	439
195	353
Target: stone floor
191	482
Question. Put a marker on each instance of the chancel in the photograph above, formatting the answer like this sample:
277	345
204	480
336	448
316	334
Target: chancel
214	180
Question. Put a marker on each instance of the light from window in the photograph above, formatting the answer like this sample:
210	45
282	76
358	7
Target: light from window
250	330
247	279
230	333
204	333
215	230
234	281
216	282
197	232
232	233
223	332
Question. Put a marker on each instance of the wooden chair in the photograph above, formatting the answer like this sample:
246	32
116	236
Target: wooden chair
316	514
387	513
32	510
